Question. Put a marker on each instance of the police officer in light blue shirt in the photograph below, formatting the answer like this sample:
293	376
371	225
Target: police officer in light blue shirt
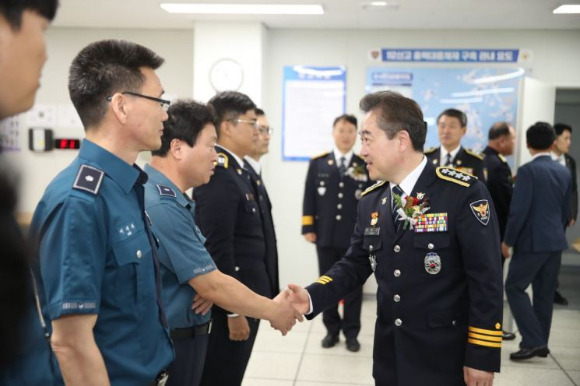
191	281
97	258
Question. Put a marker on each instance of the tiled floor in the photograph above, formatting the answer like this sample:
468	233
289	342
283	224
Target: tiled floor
298	359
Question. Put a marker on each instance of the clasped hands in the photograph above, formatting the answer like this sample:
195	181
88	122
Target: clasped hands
291	304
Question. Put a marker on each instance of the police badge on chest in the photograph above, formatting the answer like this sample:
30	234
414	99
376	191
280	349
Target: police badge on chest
432	263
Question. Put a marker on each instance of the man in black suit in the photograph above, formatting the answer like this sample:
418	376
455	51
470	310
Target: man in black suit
229	216
536	231
253	165
430	235
452	126
334	184
560	153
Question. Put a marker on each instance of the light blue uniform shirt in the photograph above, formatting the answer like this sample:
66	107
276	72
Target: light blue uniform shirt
181	248
96	257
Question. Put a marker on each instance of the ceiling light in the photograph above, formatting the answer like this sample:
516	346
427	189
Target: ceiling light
375	5
379	3
244	9
567	8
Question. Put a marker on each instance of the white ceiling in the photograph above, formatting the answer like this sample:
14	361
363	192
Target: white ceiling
339	14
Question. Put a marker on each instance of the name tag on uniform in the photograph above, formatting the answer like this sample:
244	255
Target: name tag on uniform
249	197
431	222
372	231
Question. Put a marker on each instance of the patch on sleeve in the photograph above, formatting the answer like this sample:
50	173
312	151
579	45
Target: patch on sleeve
89	179
323	280
166	191
222	160
449	174
373	187
480	209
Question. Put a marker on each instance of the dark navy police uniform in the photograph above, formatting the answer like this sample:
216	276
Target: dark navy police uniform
500	185
228	214
96	257
182	257
329	210
465	160
439	299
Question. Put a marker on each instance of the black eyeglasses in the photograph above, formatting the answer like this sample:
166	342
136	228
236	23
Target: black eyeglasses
163	102
266	130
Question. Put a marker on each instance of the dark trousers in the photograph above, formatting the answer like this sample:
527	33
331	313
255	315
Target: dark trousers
350	324
533	318
187	368
226	360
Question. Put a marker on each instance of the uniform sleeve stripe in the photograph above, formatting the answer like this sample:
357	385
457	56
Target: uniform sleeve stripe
486	332
307	220
484	337
483	343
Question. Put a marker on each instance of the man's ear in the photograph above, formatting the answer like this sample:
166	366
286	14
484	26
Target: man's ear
175	148
120	107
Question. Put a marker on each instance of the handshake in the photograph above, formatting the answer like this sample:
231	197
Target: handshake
288	307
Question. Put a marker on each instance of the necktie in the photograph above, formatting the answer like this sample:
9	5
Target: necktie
448	160
398	191
342	165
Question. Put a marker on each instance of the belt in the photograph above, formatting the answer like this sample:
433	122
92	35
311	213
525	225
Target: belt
161	379
188	332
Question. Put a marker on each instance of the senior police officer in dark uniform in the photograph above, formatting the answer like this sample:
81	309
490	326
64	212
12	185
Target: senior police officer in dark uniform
98	265
431	238
451	126
228	214
334	184
186	159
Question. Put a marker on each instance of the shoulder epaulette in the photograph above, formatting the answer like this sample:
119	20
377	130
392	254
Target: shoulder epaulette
430	150
460	178
472	153
502	158
373	187
89	179
222	160
165	191
321	155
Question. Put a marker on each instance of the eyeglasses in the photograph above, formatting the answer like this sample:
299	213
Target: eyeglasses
163	102
254	124
266	130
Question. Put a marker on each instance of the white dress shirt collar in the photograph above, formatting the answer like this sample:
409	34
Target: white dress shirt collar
559	158
444	153
347	157
256	165
542	154
409	182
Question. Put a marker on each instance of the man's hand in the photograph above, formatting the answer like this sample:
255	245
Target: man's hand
571	222
299	298
239	328
285	315
505	250
310	237
474	377
201	305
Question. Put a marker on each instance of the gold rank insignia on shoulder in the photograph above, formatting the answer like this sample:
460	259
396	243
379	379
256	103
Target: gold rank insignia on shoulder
373	187
502	158
474	154
321	155
323	280
222	160
430	150
480	209
450	174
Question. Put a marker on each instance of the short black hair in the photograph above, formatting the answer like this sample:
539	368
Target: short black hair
560	127
187	119
498	129
346	117
455	114
104	68
397	113
12	10
230	105
540	136
259	112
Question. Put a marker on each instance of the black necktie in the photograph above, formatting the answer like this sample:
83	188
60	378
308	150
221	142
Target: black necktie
342	165
398	191
448	160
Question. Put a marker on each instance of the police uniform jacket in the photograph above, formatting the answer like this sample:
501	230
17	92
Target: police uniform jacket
228	213
96	257
571	165
269	231
330	202
465	161
500	185
439	294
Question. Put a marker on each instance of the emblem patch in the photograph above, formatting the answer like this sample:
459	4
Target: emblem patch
89	179
480	209
384	201
432	263
374	218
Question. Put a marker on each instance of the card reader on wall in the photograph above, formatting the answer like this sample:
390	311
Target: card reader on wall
40	139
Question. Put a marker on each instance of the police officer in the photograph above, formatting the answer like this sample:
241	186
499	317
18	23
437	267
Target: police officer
451	126
25	355
431	238
334	184
252	164
98	266
186	159
228	214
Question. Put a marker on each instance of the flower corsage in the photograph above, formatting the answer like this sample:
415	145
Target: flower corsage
411	208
